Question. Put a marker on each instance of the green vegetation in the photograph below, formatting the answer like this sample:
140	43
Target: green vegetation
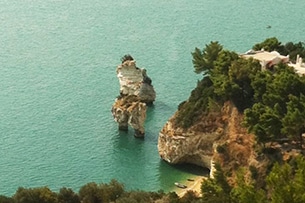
279	107
290	48
204	60
285	183
226	77
216	189
272	101
273	105
89	193
126	57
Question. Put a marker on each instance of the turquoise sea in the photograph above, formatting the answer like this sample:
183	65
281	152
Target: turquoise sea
58	81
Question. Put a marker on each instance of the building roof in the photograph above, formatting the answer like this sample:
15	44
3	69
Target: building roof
266	57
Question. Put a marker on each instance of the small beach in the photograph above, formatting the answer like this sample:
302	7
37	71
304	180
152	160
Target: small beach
193	183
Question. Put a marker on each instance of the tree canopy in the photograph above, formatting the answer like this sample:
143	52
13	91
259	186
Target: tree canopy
203	60
290	48
278	105
285	183
272	101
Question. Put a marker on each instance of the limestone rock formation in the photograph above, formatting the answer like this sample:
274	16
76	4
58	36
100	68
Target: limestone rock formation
134	81
136	91
129	111
217	136
177	145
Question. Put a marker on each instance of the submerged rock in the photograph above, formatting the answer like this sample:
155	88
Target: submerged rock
136	91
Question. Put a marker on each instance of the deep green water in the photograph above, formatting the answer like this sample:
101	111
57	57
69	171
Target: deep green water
58	82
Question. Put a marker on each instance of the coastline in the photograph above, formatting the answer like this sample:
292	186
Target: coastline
194	185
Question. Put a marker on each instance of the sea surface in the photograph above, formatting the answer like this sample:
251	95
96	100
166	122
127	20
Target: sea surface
58	82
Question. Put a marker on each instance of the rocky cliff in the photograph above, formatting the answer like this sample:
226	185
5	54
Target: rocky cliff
136	91
235	96
219	137
215	137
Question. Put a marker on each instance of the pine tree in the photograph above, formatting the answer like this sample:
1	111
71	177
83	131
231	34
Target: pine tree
203	61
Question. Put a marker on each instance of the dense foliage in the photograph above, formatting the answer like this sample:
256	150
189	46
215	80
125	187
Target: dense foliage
290	48
204	60
226	77
279	109
126	57
89	193
273	104
272	101
285	183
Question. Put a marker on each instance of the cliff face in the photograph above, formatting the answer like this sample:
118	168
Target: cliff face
136	90
176	145
215	137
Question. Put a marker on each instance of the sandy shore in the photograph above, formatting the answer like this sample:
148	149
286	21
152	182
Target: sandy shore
194	185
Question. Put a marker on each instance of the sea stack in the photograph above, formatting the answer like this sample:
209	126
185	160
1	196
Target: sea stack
136	93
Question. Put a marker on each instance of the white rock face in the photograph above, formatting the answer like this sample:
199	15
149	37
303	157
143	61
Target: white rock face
134	81
177	146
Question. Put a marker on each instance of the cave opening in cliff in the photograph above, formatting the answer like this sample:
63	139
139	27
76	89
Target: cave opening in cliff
193	169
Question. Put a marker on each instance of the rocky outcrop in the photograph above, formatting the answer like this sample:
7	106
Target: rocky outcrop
134	81
177	145
220	138
129	111
216	137
136	92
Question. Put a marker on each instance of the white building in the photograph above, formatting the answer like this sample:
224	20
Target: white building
299	66
266	59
